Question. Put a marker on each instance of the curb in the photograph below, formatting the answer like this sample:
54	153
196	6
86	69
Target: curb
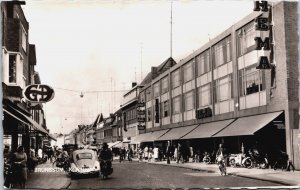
233	174
67	184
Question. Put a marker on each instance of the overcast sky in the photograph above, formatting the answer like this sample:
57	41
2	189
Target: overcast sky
89	45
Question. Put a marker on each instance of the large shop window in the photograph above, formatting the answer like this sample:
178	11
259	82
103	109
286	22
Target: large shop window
189	101
222	52
175	78
224	88
12	77
148	94
156	89
165	85
204	95
251	80
202	61
245	39
188	71
165	108
149	111
176	105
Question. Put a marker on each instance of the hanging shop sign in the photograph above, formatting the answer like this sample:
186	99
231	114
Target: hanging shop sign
38	93
141	115
264	23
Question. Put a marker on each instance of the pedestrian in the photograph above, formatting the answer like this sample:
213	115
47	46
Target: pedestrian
140	152
19	161
155	153
146	153
175	153
169	152
150	153
32	160
40	153
129	154
179	153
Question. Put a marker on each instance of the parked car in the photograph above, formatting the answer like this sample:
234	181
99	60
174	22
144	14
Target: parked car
84	161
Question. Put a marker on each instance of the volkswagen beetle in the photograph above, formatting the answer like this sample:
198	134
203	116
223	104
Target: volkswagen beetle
84	161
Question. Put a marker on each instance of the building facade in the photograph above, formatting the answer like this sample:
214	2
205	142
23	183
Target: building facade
217	94
23	124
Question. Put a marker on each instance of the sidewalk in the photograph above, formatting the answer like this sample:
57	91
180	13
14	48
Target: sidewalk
278	176
47	176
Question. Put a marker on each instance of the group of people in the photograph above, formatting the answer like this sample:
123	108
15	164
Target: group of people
123	153
20	163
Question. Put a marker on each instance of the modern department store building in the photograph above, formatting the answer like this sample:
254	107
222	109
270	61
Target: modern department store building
217	95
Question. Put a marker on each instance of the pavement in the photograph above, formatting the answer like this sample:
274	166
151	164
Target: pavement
47	176
286	178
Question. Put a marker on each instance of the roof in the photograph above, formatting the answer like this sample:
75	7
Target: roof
156	71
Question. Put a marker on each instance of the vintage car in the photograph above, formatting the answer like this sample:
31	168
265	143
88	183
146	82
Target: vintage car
84	161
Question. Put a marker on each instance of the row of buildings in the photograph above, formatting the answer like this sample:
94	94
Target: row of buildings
23	122
241	89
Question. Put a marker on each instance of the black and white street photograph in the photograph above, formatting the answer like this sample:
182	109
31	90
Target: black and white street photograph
150	94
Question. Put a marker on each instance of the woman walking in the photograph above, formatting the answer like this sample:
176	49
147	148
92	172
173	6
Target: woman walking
19	160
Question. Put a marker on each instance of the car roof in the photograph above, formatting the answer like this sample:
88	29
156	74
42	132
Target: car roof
83	151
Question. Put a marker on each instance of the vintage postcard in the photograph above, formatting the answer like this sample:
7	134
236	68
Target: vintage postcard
155	94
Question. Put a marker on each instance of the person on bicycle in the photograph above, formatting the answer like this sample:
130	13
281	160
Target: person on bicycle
105	154
221	159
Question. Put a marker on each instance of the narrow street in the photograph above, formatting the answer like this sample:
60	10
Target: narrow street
144	175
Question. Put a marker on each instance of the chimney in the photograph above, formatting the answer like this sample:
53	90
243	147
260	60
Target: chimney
154	72
133	84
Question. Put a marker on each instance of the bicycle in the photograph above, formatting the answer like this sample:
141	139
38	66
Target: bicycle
222	165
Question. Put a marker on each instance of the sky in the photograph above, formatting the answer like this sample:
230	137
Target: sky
98	48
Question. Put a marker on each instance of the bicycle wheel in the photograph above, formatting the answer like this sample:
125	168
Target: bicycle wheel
248	163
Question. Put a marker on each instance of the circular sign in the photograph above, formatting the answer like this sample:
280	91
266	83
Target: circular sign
38	93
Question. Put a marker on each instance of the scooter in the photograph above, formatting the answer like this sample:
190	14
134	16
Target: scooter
106	168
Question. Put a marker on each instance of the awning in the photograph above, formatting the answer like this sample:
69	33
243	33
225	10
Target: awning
111	145
247	125
52	137
207	130
177	133
25	119
140	138
148	137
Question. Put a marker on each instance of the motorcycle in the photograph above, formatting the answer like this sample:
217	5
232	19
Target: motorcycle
62	163
259	160
240	160
208	158
281	161
106	168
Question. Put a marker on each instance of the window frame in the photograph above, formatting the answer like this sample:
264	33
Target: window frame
201	91
14	71
178	100
174	75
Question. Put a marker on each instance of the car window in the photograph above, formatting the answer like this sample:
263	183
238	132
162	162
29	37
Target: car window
84	156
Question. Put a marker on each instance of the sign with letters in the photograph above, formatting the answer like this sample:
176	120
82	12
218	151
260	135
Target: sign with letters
38	93
264	24
141	115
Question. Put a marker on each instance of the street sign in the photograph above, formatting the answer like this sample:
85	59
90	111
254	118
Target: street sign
38	93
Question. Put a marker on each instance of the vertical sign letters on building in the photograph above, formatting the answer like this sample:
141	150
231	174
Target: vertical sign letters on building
141	115
264	24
